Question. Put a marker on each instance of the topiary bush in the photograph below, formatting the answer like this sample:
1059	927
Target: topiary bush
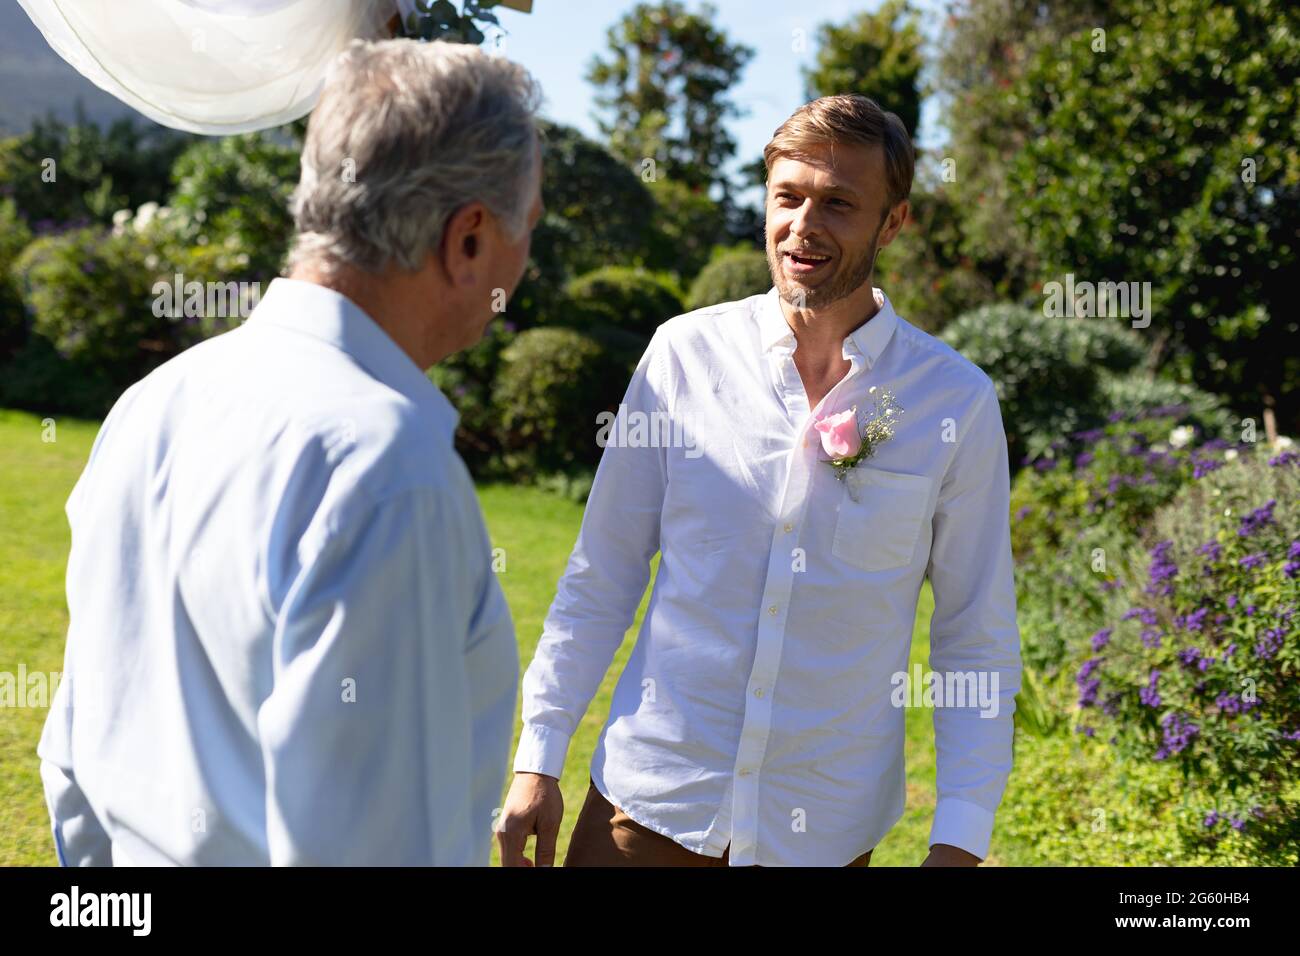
733	273
622	297
551	385
1048	371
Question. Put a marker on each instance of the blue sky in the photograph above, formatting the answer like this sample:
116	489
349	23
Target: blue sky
560	37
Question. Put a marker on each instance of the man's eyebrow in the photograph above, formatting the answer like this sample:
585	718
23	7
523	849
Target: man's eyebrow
831	188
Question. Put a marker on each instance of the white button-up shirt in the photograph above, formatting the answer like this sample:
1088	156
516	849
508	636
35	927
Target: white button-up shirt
761	706
286	641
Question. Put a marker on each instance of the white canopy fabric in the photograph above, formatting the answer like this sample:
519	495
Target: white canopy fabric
209	66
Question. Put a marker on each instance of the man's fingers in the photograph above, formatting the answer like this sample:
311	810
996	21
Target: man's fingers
546	837
511	838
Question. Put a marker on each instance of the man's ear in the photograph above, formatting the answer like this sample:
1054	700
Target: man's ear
893	222
462	243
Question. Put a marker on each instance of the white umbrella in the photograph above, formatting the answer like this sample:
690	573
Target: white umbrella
210	66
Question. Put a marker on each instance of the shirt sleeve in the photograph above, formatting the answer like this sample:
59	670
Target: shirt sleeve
974	630
79	838
367	733
604	581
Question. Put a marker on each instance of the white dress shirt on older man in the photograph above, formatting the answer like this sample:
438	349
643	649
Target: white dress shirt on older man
760	706
286	644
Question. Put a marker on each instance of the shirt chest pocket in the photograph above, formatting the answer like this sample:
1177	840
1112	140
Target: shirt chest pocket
880	518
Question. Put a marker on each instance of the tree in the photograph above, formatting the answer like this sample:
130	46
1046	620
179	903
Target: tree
663	88
986	48
1167	154
62	175
875	54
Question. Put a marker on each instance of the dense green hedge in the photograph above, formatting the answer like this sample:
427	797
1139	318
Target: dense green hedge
552	384
732	274
636	300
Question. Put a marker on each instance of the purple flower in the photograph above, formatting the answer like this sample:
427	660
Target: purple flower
1178	732
1101	638
1162	569
1252	561
1271	643
1145	615
1088	684
1204	466
1045	464
1150	637
1196	620
1212	818
1232	601
1023	512
1149	695
1189	655
1260	518
1211	549
1286	458
1083	459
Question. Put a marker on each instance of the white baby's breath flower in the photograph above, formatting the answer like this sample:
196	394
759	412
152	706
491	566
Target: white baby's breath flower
1180	436
1230	455
1283	443
120	220
144	215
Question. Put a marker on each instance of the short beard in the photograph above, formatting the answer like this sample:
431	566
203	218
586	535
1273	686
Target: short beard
841	285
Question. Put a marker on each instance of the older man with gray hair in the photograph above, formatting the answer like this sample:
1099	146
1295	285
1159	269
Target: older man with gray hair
287	644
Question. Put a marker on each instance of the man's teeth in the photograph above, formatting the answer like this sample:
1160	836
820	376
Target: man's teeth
808	257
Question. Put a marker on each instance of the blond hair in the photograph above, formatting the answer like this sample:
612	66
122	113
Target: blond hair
848	118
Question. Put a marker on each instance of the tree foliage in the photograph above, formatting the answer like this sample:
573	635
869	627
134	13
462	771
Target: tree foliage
663	89
874	54
1170	156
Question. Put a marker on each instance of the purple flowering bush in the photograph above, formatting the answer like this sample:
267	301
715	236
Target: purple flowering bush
1076	512
1194	661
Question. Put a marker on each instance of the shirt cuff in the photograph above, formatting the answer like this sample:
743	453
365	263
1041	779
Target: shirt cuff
964	825
541	750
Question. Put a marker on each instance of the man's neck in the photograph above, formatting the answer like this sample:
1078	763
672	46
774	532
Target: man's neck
390	300
824	330
819	336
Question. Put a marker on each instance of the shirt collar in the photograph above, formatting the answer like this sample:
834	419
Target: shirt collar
868	340
338	321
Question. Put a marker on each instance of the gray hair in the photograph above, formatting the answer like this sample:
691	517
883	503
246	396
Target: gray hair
403	135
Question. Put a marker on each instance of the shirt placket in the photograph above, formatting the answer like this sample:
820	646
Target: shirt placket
779	583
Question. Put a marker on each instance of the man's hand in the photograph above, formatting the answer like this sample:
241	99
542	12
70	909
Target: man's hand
941	854
534	806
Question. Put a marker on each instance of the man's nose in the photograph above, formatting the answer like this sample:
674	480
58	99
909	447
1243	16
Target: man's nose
805	222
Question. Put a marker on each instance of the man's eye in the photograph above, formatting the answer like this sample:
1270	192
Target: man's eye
839	201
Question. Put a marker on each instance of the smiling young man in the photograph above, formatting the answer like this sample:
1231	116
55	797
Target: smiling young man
756	721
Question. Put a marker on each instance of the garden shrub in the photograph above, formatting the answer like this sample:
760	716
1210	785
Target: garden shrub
732	274
634	299
1196	663
1047	370
552	384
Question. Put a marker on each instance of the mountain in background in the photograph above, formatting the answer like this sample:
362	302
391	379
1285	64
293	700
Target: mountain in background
34	80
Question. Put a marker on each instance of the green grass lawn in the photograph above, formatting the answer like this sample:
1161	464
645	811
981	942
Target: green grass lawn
536	530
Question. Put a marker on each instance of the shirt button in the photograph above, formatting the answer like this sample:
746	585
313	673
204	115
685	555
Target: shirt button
758	692
772	609
746	772
788	527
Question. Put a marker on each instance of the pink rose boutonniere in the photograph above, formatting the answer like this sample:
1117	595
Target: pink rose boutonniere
846	444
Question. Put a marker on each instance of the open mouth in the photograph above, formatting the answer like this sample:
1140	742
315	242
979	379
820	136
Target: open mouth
804	263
